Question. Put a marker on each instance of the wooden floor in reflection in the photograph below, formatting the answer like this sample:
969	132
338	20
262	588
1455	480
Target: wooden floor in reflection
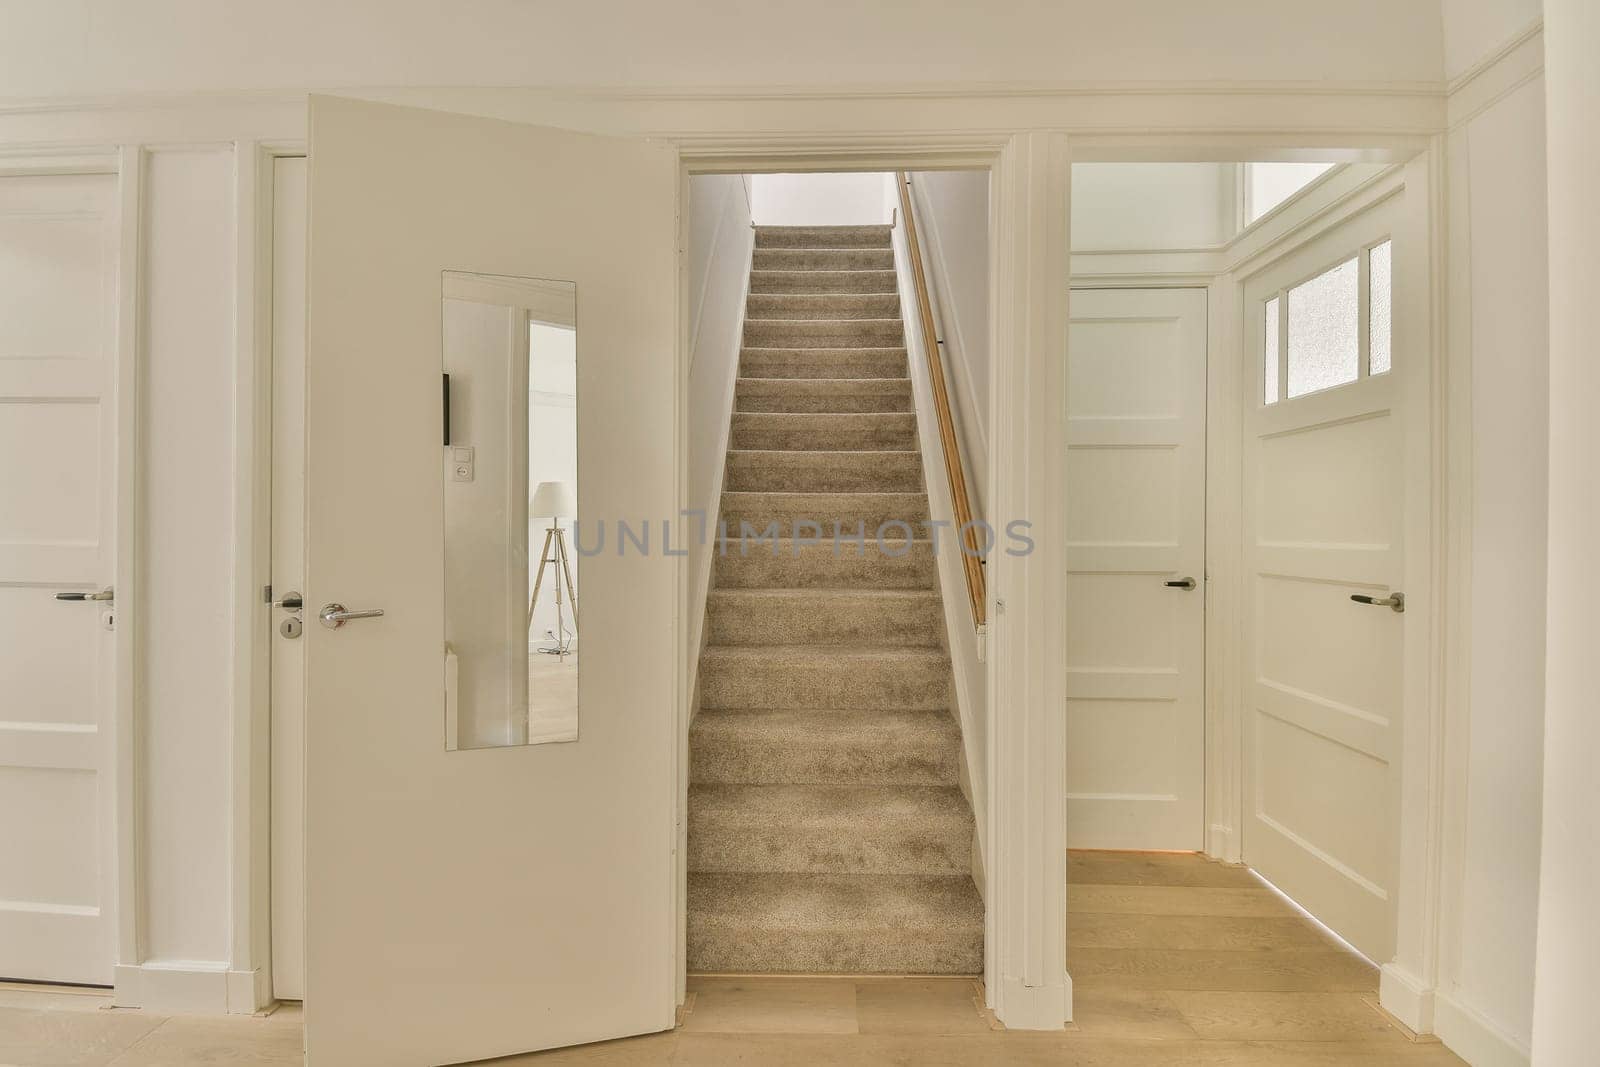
552	696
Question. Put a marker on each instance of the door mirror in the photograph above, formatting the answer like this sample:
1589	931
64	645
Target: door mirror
510	443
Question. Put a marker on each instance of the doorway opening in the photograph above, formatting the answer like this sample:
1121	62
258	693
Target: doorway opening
836	694
1236	409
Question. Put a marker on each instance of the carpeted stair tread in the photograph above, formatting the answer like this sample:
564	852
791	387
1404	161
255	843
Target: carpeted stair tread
879	618
801	306
796	565
824	333
824	395
841	259
852	829
833	923
823	676
824	746
813	471
870	236
823	281
900	515
779	362
823	431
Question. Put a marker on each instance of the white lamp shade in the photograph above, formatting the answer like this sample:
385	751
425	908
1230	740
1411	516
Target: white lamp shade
555	499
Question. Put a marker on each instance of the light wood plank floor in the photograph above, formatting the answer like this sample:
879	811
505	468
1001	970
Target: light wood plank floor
1175	960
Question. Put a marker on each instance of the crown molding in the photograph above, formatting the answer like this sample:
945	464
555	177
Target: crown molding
1460	81
161	100
1497	75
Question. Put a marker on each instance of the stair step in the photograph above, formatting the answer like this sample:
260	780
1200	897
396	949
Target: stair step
824	333
874	516
822	236
803	306
789	564
825	829
823	431
823	363
822	259
879	618
754	470
824	746
831	923
822	394
823	676
823	281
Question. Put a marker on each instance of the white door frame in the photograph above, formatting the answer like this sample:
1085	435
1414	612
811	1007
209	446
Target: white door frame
1025	837
1025	932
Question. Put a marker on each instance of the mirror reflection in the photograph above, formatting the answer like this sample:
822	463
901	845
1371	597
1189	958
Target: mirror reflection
511	589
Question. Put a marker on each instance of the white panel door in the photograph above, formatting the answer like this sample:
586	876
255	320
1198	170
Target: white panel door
288	576
1136	497
469	904
58	460
1324	501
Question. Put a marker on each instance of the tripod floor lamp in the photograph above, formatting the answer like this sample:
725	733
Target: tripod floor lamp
556	500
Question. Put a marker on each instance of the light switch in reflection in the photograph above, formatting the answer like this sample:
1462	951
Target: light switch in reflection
461	463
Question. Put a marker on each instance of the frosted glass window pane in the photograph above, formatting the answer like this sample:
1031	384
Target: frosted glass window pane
1378	322
1324	324
1270	184
1269	355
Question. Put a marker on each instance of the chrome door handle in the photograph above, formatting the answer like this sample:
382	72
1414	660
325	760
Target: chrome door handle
1181	583
1394	601
104	594
334	616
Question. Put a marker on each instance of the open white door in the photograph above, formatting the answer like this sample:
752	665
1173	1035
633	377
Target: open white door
469	904
1324	554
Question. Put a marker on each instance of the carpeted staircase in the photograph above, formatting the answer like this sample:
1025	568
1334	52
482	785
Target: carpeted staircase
827	829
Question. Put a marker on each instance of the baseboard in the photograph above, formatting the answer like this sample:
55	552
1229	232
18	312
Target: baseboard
1404	995
1025	1007
191	987
1475	1038
1221	843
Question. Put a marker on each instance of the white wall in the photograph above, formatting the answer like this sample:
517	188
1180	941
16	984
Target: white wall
1568	971
77	47
1149	206
966	652
953	221
720	243
1474	30
850	199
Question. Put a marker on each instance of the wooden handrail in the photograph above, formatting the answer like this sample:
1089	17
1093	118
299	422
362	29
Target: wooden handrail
971	561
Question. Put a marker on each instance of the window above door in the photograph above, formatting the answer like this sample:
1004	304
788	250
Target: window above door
1330	329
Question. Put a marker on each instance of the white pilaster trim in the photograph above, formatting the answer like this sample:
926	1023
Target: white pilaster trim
1027	608
129	715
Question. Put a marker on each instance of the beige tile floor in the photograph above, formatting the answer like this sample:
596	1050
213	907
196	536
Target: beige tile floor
1175	960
